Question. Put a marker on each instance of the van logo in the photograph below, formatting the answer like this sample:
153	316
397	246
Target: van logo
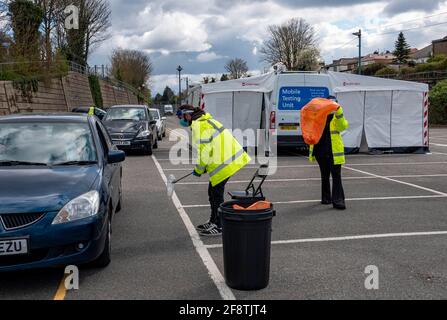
248	84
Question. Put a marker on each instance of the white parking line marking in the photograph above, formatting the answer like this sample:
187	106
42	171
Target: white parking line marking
351	165
213	270
363	237
352	199
444	154
438	145
318	179
397	181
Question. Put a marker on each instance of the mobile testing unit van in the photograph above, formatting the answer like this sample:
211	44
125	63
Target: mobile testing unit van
384	115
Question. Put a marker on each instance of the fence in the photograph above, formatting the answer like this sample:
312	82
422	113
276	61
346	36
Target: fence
430	77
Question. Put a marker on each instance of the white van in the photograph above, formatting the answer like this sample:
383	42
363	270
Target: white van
169	109
293	90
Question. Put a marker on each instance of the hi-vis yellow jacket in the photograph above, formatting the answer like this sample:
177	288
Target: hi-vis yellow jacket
91	111
338	125
219	153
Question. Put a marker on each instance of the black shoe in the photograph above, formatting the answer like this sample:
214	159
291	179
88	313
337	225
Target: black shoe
214	232
339	207
326	202
205	227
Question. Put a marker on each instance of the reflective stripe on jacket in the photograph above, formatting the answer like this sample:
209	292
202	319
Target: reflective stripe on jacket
219	153
338	125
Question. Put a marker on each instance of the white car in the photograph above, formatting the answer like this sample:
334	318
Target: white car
161	123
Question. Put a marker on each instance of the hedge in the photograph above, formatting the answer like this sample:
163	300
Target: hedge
438	103
95	88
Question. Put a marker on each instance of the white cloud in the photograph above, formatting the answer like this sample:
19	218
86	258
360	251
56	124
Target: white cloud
208	56
173	32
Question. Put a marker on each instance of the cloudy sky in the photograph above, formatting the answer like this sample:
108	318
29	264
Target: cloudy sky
201	35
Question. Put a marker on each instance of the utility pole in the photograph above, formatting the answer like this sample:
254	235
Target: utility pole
187	88
179	69
359	34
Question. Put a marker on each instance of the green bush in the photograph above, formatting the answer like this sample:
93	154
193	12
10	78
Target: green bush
439	63
407	70
372	69
95	88
438	103
386	71
437	58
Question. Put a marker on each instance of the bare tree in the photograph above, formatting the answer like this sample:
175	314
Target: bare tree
293	44
131	66
52	10
94	24
237	68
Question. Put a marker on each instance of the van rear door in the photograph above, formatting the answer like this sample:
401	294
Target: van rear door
294	91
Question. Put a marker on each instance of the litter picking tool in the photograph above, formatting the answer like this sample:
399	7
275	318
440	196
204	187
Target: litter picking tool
252	192
172	181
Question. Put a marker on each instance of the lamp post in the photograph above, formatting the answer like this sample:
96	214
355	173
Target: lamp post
359	34
187	87
179	69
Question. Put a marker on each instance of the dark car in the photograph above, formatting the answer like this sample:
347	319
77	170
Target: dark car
132	128
98	112
60	186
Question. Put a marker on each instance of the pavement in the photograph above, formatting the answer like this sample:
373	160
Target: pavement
395	221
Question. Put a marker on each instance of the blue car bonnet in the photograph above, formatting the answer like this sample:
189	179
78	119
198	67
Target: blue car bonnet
43	189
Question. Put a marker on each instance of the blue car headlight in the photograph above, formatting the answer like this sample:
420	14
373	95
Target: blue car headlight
79	208
144	134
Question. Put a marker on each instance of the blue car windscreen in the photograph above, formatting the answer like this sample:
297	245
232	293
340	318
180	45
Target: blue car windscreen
46	143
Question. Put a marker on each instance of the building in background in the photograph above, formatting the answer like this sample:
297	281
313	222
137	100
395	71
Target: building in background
343	65
382	58
440	47
422	55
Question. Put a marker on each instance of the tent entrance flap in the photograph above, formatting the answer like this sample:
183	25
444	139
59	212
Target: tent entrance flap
378	118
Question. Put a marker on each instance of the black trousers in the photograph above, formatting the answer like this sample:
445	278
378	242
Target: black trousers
328	168
216	197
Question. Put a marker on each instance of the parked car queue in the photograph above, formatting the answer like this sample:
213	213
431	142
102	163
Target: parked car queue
61	183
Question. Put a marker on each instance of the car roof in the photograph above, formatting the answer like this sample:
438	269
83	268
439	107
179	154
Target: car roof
129	106
61	116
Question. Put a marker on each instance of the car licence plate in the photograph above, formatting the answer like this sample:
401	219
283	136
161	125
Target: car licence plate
12	247
288	128
121	143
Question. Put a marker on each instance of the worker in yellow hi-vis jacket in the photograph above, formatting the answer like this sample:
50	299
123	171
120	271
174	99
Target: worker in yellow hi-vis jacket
330	155
219	154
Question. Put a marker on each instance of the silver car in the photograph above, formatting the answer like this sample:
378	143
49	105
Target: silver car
161	123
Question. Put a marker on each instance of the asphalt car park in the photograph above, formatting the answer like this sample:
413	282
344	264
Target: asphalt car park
395	221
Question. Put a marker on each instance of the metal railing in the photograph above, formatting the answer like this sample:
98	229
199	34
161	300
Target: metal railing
103	72
429	76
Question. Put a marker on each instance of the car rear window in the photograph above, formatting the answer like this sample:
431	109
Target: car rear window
46	143
126	114
154	115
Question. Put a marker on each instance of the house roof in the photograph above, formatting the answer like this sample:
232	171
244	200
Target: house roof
440	40
423	53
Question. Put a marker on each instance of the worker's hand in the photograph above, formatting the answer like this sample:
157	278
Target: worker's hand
195	174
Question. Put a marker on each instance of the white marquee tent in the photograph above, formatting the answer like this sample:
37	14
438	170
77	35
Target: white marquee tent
386	114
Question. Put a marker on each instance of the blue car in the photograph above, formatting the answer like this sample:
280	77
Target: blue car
60	186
